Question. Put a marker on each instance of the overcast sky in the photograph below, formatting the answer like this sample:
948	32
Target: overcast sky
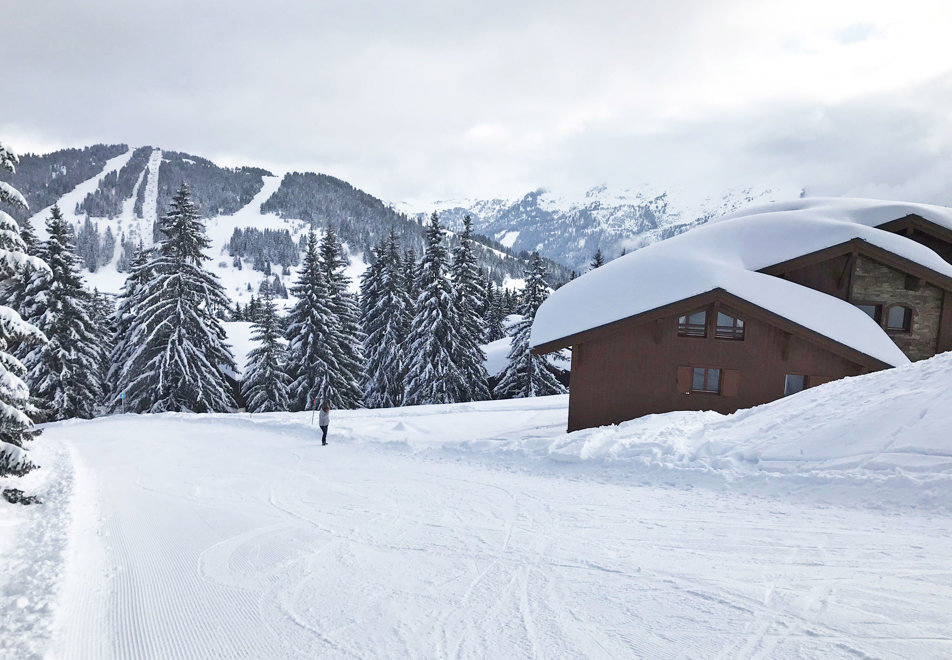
426	100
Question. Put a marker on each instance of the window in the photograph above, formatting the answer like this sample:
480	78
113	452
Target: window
693	325
875	310
728	327
706	379
793	383
899	318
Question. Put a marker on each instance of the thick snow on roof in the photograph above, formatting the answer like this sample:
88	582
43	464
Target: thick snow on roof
780	232
869	212
726	253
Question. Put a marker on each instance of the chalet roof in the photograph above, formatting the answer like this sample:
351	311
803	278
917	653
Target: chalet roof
727	253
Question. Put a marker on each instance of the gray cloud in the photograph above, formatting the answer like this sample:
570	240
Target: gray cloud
448	99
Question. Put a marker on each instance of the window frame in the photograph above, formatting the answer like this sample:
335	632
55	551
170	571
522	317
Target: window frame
804	384
908	313
688	329
878	318
707	371
737	331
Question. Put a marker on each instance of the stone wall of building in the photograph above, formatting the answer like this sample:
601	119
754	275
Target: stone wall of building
873	282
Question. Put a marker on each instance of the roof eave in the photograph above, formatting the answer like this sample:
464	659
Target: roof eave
721	295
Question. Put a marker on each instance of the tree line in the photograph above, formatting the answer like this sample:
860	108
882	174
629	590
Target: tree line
412	335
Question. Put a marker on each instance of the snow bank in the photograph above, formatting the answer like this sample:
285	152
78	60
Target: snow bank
887	431
34	544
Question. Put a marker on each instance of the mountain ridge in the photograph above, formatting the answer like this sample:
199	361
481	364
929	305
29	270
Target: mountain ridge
112	194
571	229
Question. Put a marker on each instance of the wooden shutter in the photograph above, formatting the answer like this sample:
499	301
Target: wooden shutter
730	382
685	377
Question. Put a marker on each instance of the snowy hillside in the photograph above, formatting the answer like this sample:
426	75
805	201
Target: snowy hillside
814	526
139	211
570	229
112	196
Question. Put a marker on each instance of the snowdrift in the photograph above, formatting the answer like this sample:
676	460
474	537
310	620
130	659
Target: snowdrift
886	433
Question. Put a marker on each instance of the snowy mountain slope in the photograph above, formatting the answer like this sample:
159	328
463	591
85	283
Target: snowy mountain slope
814	526
571	229
124	194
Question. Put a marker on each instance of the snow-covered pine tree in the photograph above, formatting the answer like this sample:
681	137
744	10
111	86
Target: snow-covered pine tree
527	374
251	311
14	289
433	376
495	314
127	341
467	284
65	374
345	339
385	318
179	362
16	427
102	312
309	363
265	384
411	274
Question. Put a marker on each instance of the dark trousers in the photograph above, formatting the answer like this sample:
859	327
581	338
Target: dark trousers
324	439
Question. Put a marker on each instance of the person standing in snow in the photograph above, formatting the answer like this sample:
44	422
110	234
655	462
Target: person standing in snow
324	420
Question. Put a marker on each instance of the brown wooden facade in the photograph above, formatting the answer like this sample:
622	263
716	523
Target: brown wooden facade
642	365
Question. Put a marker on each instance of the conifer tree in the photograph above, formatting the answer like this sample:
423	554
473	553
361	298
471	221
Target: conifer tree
14	292
527	374
495	314
411	274
466	282
127	339
598	260
102	312
251	311
14	289
179	362
266	383
65	374
345	340
385	319
16	427
309	324
433	375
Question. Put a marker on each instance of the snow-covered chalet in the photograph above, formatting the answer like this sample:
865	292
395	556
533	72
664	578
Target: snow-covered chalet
754	306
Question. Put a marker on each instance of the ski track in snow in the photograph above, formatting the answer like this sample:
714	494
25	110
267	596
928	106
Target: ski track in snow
150	202
242	537
68	202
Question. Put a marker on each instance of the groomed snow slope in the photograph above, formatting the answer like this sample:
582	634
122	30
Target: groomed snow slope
815	526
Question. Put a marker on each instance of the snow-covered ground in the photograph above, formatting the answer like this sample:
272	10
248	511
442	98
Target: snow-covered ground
815	526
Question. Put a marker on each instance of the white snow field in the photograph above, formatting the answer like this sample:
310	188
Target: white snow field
817	526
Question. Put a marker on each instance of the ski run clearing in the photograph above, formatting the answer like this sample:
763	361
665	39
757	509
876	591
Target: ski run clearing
817	526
